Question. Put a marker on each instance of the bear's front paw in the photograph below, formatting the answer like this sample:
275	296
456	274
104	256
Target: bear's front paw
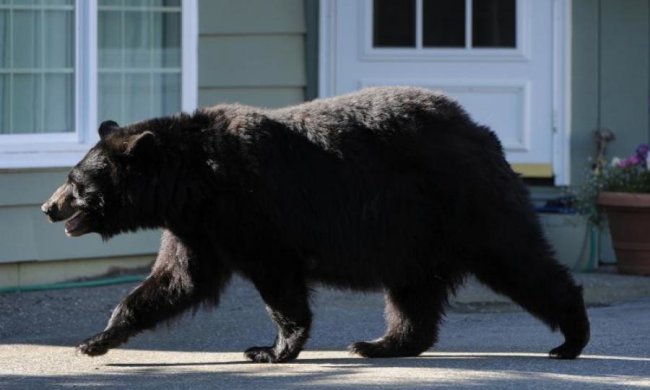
92	348
261	355
100	343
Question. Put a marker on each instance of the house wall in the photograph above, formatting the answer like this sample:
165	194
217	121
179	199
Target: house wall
251	52
610	77
254	52
610	83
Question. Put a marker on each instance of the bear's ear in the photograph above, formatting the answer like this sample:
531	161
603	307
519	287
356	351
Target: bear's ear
140	144
106	128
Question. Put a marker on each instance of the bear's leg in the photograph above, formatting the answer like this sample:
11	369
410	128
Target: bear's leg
542	286
179	280
413	314
287	301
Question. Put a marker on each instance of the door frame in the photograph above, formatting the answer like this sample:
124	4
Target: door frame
561	75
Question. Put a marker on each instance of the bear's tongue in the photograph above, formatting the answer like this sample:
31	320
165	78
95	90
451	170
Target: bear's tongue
73	224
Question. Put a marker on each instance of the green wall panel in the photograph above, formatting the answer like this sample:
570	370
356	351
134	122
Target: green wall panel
251	61
610	83
624	72
25	235
28	187
261	97
251	16
584	86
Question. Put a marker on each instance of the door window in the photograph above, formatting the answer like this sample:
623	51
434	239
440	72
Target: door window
431	24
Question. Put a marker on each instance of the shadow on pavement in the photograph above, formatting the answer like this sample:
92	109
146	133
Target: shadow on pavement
458	370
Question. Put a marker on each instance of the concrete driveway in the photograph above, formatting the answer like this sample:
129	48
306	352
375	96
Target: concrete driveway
482	344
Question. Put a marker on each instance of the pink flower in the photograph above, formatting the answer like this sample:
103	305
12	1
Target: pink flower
629	162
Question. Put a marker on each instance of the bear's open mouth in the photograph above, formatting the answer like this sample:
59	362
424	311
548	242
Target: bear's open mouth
75	226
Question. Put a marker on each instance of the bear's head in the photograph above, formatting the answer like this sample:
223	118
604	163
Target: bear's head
95	197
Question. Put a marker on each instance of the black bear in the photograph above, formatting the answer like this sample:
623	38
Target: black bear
386	188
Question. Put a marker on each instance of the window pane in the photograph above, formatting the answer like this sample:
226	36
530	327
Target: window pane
26	96
139	52
168	86
394	23
5	36
111	3
138	97
58	53
110	38
110	88
59	94
493	23
167	42
137	39
443	23
26	37
37	67
169	3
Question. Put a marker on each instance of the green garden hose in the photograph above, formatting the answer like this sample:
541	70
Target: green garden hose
79	284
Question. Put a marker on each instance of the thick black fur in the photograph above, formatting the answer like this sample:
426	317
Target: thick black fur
388	188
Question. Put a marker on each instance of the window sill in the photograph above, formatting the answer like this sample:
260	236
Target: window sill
43	158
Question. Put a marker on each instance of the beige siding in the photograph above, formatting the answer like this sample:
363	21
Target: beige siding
252	52
223	17
261	97
23	188
610	77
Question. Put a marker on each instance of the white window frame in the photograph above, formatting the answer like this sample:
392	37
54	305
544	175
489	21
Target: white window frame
520	52
56	150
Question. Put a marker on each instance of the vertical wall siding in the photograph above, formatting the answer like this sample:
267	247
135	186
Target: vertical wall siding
611	68
584	86
624	70
252	52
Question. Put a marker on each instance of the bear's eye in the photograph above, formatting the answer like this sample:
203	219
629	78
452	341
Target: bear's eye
76	189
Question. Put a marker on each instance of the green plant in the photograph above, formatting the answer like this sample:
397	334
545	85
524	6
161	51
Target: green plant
620	175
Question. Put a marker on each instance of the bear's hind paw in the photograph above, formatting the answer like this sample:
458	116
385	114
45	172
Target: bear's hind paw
269	355
261	355
383	348
565	351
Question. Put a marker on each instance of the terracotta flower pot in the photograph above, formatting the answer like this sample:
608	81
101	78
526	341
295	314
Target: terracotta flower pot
628	216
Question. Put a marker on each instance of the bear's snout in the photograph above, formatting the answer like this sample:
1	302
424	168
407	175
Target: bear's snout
58	207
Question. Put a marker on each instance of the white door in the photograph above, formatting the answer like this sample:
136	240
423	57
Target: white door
504	60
